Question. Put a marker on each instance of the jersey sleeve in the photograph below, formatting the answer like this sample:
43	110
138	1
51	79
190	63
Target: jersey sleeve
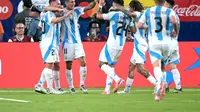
108	16
143	19
79	11
50	17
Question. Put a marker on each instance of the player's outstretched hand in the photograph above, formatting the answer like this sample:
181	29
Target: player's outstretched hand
69	13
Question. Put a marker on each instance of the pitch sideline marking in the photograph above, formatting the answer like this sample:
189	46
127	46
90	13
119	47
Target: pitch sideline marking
15	100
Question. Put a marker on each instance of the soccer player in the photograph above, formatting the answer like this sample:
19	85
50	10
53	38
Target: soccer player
158	18
120	23
140	47
71	43
50	49
174	58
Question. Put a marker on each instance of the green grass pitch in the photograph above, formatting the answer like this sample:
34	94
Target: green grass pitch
139	100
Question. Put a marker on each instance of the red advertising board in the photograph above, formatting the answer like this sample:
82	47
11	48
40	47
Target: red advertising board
21	65
188	10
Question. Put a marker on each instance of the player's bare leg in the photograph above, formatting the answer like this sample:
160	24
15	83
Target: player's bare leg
110	72
69	76
83	72
146	74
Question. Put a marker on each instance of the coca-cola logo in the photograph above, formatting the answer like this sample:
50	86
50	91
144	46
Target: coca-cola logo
6	9
192	10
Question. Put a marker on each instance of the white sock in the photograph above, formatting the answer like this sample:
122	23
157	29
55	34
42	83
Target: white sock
42	78
56	77
110	72
108	83
129	83
158	75
164	76
83	71
177	78
70	78
152	80
48	76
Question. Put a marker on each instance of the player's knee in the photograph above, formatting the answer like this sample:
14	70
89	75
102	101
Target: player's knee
56	67
69	65
172	66
101	63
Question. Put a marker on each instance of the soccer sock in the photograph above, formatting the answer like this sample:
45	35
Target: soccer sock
48	76
42	78
176	76
158	75
56	77
108	83
70	78
129	83
110	72
152	80
83	71
164	76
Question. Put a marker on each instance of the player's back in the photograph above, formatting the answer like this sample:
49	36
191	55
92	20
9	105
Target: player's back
139	35
52	31
119	25
158	19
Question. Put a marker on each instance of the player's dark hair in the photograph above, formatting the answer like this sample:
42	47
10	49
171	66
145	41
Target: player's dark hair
160	1
171	2
66	0
136	5
52	1
94	22
120	2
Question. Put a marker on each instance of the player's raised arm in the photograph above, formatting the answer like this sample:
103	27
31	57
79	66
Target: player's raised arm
91	5
174	23
59	19
143	20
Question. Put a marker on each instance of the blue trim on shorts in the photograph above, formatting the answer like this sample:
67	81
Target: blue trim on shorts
110	62
156	55
176	61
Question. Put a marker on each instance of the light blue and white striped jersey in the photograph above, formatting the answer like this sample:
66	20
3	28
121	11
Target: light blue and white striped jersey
51	38
139	35
158	20
171	29
119	25
70	31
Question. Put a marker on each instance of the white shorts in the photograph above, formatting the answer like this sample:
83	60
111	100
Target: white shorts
73	51
138	55
174	55
110	55
50	55
159	52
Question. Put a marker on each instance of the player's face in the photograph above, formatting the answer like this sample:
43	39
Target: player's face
166	5
19	29
55	3
131	9
70	5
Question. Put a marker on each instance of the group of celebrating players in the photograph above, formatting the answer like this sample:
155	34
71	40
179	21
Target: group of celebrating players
160	22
